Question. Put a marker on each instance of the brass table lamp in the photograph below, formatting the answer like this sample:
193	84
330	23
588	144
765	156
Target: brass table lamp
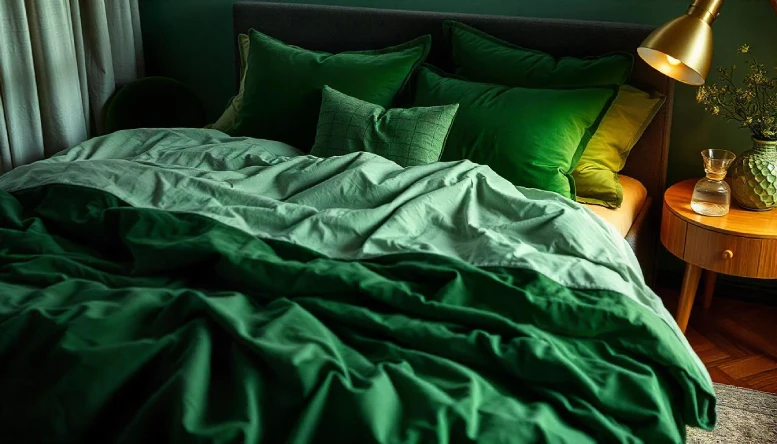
682	48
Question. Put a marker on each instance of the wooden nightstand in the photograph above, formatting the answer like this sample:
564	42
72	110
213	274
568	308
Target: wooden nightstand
742	243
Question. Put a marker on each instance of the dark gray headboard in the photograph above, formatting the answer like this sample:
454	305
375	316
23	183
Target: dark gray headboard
336	29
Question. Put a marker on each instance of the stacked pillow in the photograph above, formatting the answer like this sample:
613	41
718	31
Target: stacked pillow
281	96
564	125
483	58
334	104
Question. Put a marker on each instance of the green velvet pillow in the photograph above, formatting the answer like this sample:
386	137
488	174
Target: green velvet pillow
413	136
596	175
283	84
531	137
485	58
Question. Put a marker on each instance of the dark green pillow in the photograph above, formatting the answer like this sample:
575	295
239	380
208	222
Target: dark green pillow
283	84
409	137
531	137
485	58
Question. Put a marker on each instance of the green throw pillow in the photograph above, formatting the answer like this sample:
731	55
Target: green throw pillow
283	84
409	137
531	137
485	58
596	175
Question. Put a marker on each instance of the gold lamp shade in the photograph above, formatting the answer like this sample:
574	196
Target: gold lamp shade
682	48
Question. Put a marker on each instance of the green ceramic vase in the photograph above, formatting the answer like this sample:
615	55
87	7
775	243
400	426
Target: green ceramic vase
754	176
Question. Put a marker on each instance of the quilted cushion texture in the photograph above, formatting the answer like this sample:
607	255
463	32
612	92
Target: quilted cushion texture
409	137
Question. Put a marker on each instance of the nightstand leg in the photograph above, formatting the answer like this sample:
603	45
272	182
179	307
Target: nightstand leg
709	287
687	295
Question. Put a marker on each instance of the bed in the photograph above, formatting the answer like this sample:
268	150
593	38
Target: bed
635	198
336	29
182	285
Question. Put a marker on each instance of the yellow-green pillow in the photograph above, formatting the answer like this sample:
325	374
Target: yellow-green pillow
596	175
229	118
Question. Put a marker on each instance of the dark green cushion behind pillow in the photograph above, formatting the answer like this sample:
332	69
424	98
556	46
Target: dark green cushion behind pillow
531	137
484	58
283	84
153	102
409	137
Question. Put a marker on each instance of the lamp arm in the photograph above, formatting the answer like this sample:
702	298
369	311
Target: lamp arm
711	8
706	10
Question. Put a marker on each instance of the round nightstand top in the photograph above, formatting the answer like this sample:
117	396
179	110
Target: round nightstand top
760	224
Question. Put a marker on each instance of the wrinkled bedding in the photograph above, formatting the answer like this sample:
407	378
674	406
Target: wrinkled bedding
182	285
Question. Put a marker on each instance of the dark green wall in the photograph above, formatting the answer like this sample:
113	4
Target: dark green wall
191	40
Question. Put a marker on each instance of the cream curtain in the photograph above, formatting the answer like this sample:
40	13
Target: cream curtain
60	60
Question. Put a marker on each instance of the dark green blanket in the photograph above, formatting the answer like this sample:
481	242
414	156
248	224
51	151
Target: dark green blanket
120	324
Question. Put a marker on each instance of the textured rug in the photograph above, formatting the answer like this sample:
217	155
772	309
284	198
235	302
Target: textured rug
744	416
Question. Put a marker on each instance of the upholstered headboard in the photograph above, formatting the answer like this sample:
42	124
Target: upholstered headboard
336	29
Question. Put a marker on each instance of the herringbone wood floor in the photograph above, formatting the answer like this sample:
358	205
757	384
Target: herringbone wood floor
737	341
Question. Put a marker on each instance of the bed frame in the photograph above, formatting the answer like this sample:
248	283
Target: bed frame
336	29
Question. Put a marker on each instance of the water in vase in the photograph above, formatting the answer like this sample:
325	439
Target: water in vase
711	195
711	199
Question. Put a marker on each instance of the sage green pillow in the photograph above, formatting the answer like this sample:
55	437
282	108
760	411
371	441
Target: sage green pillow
531	137
230	115
484	58
596	175
409	137
283	84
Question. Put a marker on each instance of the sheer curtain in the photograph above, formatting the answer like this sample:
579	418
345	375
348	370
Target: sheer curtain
60	60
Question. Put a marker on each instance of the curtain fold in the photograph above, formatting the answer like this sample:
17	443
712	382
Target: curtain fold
60	61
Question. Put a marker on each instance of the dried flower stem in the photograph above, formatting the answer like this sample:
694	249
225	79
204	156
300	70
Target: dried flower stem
753	104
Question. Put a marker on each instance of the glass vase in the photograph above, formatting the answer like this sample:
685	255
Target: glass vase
754	176
712	195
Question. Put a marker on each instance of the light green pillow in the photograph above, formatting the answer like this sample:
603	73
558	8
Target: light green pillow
484	58
282	95
409	137
531	137
229	117
596	175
